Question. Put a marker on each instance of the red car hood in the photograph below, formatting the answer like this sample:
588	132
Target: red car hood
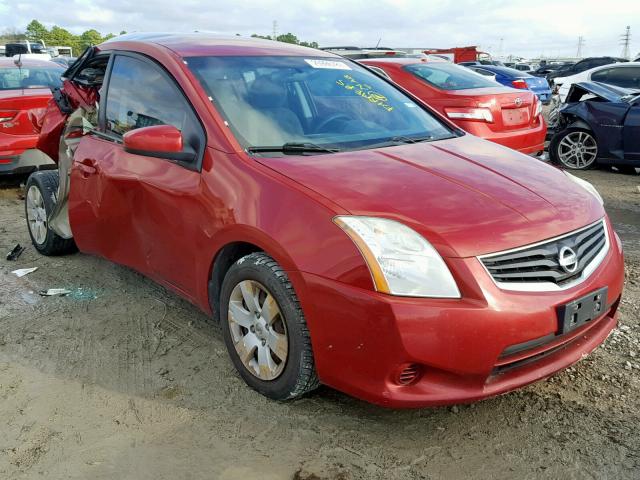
467	196
24	92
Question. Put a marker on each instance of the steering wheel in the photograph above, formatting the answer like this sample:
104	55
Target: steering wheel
333	118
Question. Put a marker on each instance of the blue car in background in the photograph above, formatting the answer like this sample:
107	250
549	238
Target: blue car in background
516	79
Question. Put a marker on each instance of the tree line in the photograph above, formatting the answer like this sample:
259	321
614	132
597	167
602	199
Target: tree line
56	35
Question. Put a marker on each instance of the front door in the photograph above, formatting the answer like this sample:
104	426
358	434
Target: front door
138	210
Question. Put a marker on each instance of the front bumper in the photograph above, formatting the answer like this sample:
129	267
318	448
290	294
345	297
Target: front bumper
467	349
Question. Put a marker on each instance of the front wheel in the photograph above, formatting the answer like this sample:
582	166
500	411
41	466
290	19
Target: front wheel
265	330
40	199
574	148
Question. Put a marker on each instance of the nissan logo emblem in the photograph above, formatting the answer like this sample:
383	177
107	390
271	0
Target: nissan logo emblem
568	259
518	101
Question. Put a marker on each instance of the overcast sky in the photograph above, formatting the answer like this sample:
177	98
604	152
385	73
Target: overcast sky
526	27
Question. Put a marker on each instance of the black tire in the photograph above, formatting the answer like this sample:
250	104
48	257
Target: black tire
46	182
299	374
627	169
555	145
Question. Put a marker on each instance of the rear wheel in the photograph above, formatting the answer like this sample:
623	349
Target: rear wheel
574	148
265	330
40	198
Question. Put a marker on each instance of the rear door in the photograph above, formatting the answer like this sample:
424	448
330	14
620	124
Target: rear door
139	210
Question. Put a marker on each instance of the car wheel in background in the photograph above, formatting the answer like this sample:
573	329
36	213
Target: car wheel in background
40	198
265	330
574	148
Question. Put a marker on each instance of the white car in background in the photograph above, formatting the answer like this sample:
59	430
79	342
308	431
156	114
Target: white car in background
625	75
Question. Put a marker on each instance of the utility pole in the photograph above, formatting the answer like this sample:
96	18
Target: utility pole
625	41
580	45
275	30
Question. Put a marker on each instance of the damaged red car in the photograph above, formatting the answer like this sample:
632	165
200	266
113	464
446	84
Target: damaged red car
336	228
25	91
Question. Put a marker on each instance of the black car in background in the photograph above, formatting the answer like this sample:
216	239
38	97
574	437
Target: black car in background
581	66
598	124
544	70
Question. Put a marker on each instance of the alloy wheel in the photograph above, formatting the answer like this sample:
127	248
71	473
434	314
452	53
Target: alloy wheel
578	150
36	215
258	330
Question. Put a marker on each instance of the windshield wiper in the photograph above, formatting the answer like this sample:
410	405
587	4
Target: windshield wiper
405	139
291	148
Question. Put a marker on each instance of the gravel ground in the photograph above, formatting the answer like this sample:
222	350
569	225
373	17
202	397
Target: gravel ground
122	379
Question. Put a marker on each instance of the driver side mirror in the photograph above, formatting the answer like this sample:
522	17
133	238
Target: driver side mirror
160	141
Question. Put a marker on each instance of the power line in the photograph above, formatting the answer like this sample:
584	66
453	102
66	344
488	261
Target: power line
580	45
625	41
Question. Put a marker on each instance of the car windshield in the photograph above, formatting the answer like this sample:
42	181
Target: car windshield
317	104
447	76
30	77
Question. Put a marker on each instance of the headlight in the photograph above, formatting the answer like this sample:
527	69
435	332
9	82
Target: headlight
401	261
586	185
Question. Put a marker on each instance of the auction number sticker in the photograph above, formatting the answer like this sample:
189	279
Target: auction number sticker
331	64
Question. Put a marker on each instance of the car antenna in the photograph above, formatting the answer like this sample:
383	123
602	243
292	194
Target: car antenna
378	44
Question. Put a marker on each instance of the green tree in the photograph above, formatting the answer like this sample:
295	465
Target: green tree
89	38
36	31
288	38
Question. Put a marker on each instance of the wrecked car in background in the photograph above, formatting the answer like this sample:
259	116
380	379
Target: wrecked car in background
24	94
598	124
339	230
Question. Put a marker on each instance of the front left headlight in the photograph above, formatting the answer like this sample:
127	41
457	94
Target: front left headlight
401	261
586	185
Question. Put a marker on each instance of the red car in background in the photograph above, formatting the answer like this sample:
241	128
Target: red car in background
477	104
338	231
25	91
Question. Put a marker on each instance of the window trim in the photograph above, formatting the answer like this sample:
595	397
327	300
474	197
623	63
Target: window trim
102	115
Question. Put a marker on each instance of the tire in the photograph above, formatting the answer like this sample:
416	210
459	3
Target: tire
268	326
39	200
627	169
574	148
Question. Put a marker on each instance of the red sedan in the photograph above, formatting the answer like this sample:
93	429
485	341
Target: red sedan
477	104
25	90
336	229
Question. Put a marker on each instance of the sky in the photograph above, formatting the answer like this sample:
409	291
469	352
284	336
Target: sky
527	28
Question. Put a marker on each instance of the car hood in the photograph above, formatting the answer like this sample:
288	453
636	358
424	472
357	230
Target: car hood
467	196
603	91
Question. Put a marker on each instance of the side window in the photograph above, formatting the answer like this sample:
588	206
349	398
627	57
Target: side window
625	77
601	75
140	95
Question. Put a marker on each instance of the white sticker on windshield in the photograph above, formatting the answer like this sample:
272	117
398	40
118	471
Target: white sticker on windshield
331	64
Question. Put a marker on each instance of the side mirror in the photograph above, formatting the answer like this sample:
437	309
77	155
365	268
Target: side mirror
161	141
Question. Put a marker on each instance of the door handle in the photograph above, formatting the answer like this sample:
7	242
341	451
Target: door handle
87	166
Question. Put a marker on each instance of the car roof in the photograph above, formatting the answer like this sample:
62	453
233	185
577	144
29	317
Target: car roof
9	62
202	44
398	60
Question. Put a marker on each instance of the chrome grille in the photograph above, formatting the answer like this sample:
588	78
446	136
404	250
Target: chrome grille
541	264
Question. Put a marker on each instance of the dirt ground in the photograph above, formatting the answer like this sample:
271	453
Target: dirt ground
122	379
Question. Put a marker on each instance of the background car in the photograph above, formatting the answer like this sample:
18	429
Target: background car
599	124
63	61
623	75
517	79
476	103
581	66
544	70
25	90
523	67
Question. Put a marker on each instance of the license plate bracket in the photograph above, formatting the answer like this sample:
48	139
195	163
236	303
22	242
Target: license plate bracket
581	310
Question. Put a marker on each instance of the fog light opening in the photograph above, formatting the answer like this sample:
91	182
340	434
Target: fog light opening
409	374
